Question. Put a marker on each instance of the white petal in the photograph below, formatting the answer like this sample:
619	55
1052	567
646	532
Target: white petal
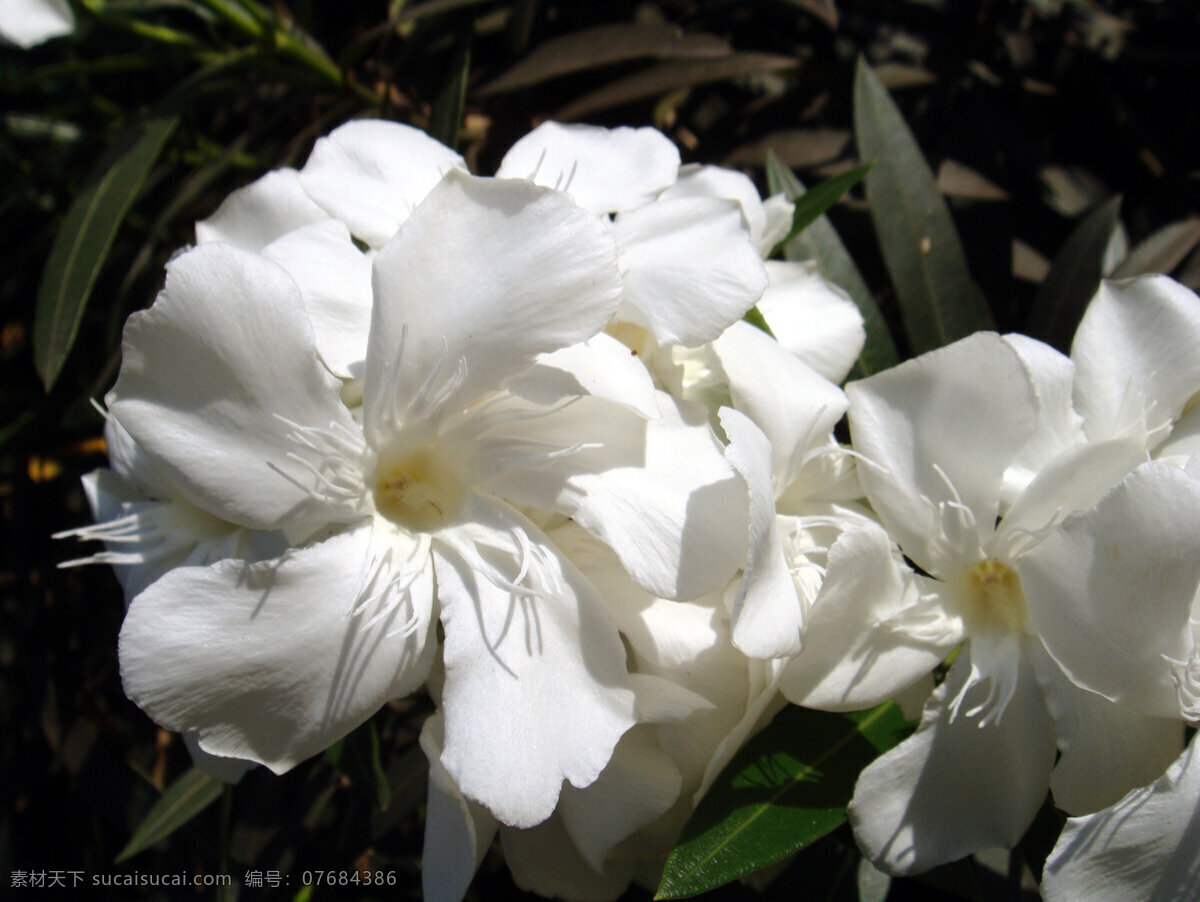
780	214
486	275
268	662
762	703
1110	590
130	463
535	686
545	860
606	170
1106	749
1184	442
267	209
851	658
28	23
227	770
659	492
639	784
955	787
1135	356
601	366
216	376
1061	428
941	430
790	402
813	318
458	831
1142	848
690	268
724	184
335	281
659	700
372	174
1072	481
767	615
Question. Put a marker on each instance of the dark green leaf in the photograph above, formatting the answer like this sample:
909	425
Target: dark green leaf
939	301
446	119
1073	278
814	202
182	801
787	788
820	244
660	79
84	239
604	45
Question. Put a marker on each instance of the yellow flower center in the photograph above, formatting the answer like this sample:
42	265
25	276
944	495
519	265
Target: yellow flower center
992	597
418	489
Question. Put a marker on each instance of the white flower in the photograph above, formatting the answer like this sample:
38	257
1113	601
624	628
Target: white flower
27	23
688	261
1142	849
938	434
1133	371
395	512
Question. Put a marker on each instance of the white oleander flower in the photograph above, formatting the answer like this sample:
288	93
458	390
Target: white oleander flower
936	436
28	23
1133	373
381	413
688	256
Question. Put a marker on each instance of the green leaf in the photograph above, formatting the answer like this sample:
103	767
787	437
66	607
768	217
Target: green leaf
820	244
605	45
665	77
1073	278
446	118
939	301
182	801
813	203
85	238
787	788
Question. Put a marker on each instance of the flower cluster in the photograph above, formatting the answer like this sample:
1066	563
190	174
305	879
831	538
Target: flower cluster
390	425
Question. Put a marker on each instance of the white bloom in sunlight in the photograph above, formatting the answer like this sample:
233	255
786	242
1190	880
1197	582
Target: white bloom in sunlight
1133	373
697	701
27	23
400	512
1145	848
935	441
688	260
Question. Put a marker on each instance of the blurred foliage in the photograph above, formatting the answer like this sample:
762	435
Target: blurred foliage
1032	115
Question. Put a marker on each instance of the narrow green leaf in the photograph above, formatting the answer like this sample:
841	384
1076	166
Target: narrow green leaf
605	45
182	801
819	198
669	76
939	301
1073	278
787	788
820	244
84	239
446	119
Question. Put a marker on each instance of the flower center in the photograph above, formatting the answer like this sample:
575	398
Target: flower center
418	489
992	597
